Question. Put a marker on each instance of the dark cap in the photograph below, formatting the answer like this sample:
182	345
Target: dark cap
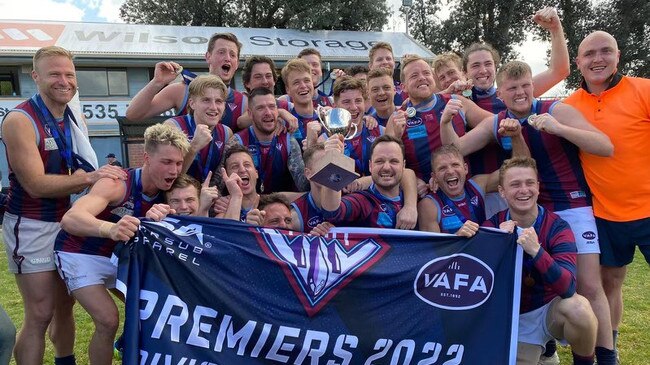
110	155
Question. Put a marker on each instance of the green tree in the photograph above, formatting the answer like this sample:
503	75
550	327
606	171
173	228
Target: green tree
179	12
629	22
498	22
361	15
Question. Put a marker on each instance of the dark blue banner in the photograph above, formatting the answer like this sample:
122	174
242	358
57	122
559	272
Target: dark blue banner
207	291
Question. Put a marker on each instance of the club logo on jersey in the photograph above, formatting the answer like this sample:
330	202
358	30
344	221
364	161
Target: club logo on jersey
253	149
446	210
219	144
371	138
314	221
318	267
455	282
232	106
474	200
589	235
413	122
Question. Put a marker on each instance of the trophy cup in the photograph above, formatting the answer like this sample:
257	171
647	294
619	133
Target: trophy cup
335	170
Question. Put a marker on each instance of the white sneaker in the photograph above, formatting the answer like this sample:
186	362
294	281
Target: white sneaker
552	360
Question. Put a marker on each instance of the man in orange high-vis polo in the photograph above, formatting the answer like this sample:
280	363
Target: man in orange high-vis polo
619	106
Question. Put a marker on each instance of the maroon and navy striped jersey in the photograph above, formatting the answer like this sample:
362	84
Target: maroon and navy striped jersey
271	160
209	157
562	182
134	203
19	202
453	212
552	272
368	208
422	135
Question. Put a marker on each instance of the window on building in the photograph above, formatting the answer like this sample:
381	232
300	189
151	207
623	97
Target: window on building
102	82
8	83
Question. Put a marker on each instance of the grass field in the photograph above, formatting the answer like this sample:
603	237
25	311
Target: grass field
634	338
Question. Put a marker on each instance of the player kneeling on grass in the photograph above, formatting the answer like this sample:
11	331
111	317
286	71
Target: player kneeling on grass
550	307
105	216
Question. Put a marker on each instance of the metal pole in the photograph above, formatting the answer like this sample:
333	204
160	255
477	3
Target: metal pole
406	18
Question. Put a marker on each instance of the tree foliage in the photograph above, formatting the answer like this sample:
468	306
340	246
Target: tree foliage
361	15
498	22
505	24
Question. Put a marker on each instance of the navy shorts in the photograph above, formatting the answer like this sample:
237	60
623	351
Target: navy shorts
618	241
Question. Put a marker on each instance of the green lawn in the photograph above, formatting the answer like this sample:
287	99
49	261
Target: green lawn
634	338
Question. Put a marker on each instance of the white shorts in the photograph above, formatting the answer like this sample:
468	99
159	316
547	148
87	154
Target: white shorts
29	244
494	203
533	326
79	270
583	224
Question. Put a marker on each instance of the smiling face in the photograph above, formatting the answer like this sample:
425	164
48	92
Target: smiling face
517	94
382	58
419	81
315	65
277	216
300	87
185	201
56	79
381	92
520	188
263	109
242	164
223	60
261	76
164	165
387	167
481	69
208	108
597	60
450	173
447	74
352	101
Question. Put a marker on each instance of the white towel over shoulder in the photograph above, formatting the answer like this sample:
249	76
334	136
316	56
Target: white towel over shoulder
80	141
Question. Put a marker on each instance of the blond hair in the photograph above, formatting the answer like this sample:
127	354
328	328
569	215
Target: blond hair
405	62
201	83
377	46
519	161
444	59
294	65
513	70
50	51
165	135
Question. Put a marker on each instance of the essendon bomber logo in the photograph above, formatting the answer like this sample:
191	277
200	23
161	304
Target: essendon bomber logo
455	282
29	34
318	267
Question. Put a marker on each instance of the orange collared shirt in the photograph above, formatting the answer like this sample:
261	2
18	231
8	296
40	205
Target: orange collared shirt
620	184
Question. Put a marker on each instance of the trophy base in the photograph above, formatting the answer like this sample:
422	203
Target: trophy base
334	171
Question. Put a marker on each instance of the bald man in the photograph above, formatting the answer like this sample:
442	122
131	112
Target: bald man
619	106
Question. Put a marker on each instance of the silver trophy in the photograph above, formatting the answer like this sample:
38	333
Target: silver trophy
336	121
335	170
